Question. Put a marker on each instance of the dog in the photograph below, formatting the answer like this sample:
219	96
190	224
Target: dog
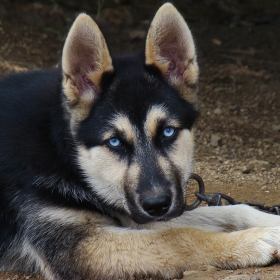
94	160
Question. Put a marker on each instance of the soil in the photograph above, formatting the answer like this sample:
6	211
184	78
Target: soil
238	44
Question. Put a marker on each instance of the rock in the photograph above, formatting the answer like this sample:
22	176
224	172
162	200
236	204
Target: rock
275	169
216	140
246	169
255	277
254	178
259	163
218	111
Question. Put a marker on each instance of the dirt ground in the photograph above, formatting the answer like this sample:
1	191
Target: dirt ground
238	44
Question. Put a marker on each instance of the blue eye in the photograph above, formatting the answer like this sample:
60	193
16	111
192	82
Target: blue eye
114	142
168	132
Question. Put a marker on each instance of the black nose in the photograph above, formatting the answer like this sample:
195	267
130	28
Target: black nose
157	206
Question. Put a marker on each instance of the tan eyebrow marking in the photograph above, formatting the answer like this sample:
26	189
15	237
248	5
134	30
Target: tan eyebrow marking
154	116
122	124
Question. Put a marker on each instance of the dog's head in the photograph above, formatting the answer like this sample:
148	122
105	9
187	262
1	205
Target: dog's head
132	116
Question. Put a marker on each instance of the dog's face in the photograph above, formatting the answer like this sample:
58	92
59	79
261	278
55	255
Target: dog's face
132	117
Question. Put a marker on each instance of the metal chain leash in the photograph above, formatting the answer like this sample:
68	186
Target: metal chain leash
217	199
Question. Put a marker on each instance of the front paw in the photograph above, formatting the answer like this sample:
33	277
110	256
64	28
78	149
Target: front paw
258	246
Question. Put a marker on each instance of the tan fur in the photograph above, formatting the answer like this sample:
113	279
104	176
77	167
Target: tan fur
168	28
132	177
124	126
155	114
84	48
182	155
62	215
111	188
97	170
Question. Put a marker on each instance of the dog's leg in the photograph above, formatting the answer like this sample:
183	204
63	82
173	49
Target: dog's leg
226	218
82	245
216	219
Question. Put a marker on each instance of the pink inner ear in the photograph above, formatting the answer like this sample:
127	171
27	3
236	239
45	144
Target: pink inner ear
83	83
88	82
176	66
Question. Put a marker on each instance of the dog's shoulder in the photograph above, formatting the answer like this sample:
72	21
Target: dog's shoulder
27	85
30	119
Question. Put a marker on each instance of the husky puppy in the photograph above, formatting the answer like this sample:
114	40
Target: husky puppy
94	161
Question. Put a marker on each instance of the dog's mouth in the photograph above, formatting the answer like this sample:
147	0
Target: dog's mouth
146	218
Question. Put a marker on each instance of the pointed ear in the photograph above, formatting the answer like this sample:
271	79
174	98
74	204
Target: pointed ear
170	47
85	59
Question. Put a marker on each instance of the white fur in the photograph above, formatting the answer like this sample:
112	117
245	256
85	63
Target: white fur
216	219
